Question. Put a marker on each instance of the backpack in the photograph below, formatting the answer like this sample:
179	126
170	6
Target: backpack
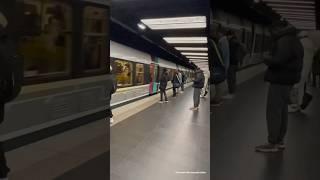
11	71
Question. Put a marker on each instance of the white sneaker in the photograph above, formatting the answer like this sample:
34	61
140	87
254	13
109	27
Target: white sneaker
111	120
293	108
166	101
160	102
229	96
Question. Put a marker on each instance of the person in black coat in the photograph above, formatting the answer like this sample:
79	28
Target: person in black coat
198	84
175	83
284	70
163	85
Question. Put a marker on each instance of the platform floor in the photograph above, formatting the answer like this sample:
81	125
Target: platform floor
163	141
239	125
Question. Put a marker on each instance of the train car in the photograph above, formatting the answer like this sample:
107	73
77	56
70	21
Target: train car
137	73
66	51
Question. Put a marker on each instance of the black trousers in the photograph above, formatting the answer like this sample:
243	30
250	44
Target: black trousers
4	170
232	79
277	112
174	91
163	93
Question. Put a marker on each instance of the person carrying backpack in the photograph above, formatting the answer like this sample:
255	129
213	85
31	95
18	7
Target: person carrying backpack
11	80
175	83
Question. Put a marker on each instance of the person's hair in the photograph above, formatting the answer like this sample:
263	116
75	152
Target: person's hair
3	20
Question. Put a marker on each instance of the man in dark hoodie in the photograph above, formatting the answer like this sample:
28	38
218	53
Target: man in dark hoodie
163	85
198	84
284	70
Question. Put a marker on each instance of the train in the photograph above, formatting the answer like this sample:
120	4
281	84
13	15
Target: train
67	57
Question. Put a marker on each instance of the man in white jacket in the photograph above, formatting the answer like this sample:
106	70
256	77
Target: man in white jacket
298	91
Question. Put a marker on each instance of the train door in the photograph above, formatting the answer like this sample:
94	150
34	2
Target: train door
154	78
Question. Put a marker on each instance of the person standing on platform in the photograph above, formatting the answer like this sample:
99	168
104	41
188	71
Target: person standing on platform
234	46
11	80
183	81
198	84
284	70
163	85
113	90
175	83
223	45
299	92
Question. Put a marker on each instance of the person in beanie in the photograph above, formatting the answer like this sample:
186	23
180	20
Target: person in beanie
198	84
163	85
284	70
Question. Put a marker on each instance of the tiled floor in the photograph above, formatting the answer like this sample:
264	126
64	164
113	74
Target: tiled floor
240	124
163	140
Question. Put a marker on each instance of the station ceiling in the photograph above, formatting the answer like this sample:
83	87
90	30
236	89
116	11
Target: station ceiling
126	14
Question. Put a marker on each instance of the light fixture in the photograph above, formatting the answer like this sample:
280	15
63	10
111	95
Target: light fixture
142	26
296	13
194	54
191	49
197	57
294	10
186	40
192	22
291	6
293	2
198	60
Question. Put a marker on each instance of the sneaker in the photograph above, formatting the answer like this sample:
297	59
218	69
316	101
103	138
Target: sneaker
194	108
281	146
216	104
229	96
160	102
166	101
111	120
293	108
267	148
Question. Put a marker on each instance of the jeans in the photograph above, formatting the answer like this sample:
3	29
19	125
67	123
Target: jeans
277	112
4	170
196	97
163	92
232	79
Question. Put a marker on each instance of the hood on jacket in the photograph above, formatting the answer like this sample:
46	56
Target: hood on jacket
281	28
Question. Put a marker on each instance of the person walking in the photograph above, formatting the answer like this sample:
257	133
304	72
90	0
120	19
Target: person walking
198	84
11	80
163	85
300	91
284	70
183	79
175	83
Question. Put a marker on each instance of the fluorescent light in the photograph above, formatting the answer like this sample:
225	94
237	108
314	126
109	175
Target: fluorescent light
141	26
176	23
186	40
194	54
296	13
197	57
291	6
295	10
294	2
300	17
191	49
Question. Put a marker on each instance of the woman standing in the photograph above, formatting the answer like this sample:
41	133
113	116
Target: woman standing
163	85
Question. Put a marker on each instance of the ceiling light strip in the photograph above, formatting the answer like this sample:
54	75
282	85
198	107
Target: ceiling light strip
186	40
294	10
294	2
194	54
291	6
191	49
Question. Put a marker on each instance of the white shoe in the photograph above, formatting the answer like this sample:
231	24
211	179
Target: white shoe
293	108
160	102
229	96
111	120
166	101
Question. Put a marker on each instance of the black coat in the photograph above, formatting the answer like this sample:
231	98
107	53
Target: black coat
164	81
234	47
286	63
199	80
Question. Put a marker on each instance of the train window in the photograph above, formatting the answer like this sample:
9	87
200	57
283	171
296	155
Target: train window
123	72
139	74
94	38
45	40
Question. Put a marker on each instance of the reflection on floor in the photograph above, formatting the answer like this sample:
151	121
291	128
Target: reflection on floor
163	140
239	125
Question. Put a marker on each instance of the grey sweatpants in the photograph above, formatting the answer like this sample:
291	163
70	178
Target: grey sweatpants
277	112
196	97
